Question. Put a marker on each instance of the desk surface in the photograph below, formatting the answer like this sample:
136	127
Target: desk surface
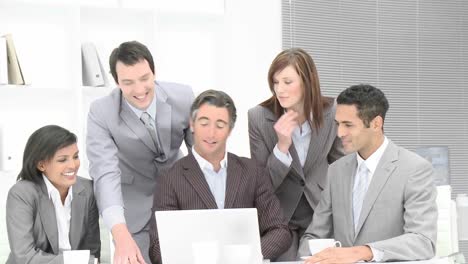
431	261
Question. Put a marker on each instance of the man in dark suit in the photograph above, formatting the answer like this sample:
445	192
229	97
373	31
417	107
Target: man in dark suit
212	178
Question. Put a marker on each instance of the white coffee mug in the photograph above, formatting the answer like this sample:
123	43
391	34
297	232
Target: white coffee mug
317	245
237	254
76	256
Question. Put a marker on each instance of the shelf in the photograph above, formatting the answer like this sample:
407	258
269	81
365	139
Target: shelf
90	91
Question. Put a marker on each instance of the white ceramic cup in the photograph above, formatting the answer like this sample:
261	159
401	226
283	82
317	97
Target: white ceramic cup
317	245
76	256
237	254
205	252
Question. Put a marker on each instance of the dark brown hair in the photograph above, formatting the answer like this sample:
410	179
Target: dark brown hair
129	53
41	146
314	102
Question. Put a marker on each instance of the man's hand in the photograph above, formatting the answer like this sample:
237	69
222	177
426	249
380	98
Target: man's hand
341	255
126	250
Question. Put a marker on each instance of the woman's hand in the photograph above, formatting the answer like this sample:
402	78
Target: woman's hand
284	128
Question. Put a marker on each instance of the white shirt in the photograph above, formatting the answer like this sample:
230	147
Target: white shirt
151	110
371	163
216	180
301	144
62	213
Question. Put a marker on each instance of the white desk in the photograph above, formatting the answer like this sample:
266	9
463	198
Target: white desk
431	261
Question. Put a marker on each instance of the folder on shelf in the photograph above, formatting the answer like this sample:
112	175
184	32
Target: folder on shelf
15	75
3	61
93	73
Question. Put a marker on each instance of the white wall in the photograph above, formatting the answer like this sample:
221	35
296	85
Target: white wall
228	47
230	52
252	39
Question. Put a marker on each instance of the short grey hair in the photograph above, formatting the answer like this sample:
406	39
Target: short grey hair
215	98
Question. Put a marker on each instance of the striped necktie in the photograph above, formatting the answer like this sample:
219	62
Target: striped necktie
151	126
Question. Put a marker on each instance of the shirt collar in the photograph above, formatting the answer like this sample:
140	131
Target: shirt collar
151	110
302	130
204	164
54	193
373	160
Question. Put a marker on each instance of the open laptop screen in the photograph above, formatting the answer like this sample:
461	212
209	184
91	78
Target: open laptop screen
179	230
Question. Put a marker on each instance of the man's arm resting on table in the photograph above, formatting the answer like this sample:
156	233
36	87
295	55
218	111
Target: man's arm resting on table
342	255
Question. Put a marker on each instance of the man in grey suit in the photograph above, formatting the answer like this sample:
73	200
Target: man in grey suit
134	133
380	199
212	178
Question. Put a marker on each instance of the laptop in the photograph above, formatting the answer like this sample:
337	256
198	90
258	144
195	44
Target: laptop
179	230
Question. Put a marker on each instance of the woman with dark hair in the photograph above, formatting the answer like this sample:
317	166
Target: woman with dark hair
293	134
50	209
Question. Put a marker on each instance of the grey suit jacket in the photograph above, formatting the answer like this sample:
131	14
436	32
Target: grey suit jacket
32	225
290	182
399	212
184	187
122	157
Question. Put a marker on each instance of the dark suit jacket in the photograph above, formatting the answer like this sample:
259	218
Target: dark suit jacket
184	187
291	182
32	225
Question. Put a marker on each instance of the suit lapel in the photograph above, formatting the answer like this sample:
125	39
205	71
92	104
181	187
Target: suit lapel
383	171
163	119
317	136
49	222
348	182
233	181
296	164
194	175
133	123
78	207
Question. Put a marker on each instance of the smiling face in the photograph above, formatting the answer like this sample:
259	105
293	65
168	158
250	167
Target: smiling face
137	83
211	128
288	89
354	135
61	169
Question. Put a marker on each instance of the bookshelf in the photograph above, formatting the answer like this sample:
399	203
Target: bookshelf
47	35
208	44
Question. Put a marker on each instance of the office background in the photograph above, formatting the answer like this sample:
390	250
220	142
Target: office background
415	51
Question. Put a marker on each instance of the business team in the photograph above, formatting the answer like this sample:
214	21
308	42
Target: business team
133	144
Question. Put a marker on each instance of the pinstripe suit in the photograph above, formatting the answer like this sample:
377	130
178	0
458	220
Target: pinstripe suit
184	187
291	183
